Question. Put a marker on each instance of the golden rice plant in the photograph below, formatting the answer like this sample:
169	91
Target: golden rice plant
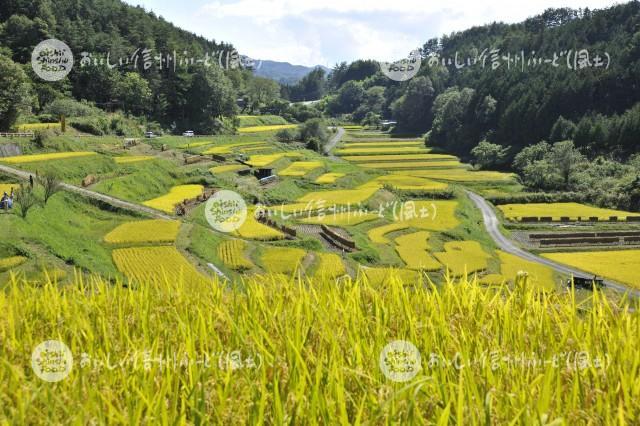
133	159
227	168
145	231
156	264
282	260
11	262
391	165
271	128
232	254
311	350
463	257
177	194
329	178
413	249
339	218
619	265
300	168
559	210
330	265
32	158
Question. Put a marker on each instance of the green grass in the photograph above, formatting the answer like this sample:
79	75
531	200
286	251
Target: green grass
69	228
260	120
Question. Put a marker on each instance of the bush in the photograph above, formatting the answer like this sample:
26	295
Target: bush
539	197
287	135
71	108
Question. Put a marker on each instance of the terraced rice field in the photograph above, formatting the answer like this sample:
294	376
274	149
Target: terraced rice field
227	168
382	144
461	175
338	197
463	257
300	168
405	183
177	194
559	210
382	150
391	165
539	275
195	144
133	159
377	235
329	178
32	158
340	219
251	229
156	264
32	127
380	276
273	128
263	160
145	231
282	260
11	262
424	215
232	254
619	265
229	148
399	157
329	266
413	249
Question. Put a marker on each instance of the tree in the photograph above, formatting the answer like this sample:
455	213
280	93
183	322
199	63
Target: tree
15	92
134	92
562	130
51	184
566	158
261	92
413	109
25	198
210	97
449	111
530	154
348	98
314	133
487	154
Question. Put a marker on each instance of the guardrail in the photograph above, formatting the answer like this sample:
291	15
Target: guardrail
17	135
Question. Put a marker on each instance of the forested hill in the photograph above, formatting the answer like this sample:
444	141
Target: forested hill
102	27
516	106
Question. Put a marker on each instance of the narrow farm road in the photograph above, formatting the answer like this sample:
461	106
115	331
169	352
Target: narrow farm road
491	222
116	202
333	142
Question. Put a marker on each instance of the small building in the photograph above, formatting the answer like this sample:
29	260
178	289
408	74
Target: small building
263	172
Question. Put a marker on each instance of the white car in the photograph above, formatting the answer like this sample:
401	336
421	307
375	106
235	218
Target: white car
188	133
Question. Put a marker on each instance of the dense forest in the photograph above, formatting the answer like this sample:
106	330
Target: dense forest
498	94
135	63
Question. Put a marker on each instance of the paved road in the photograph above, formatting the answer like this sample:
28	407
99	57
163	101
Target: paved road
333	142
116	202
491	222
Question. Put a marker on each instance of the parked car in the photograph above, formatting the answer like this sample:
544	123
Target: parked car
149	135
188	133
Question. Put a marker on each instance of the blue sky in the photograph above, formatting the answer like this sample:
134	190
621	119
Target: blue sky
329	31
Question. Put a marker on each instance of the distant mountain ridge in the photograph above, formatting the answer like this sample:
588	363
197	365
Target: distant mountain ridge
282	72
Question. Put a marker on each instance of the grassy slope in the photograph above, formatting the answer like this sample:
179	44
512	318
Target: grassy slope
69	229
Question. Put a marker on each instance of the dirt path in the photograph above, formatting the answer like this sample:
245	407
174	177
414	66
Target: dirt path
116	202
491	222
332	144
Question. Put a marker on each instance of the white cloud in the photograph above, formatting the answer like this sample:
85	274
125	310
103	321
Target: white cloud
328	31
